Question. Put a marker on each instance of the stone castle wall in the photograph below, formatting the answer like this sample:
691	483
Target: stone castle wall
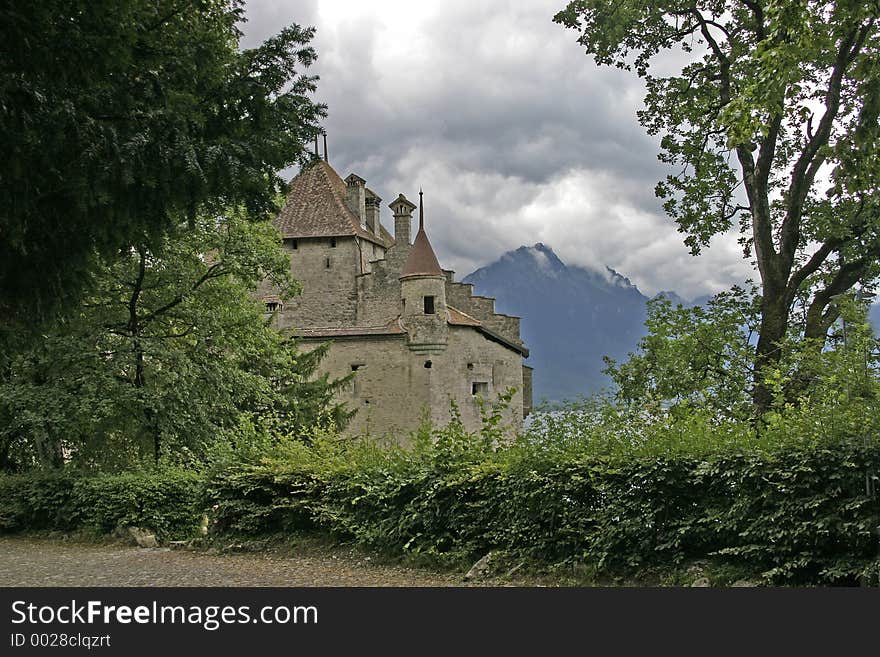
393	389
327	275
349	282
461	296
379	291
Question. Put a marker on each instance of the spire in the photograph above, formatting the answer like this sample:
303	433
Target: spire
421	260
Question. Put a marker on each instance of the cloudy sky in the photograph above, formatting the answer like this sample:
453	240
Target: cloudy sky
514	134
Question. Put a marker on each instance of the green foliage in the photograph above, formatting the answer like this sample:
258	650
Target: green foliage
122	118
839	387
164	501
698	356
579	488
769	95
695	366
39	500
169	355
611	490
161	500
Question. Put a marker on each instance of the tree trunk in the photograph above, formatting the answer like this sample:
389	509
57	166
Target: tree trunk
134	329
774	322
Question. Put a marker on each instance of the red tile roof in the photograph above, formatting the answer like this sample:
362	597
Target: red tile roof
315	207
458	318
421	260
329	332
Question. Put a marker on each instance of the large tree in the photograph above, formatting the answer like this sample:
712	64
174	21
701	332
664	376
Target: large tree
120	117
771	124
169	354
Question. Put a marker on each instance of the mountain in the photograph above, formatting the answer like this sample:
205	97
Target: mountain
874	316
571	317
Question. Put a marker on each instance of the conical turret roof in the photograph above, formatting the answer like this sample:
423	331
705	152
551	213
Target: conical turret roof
421	260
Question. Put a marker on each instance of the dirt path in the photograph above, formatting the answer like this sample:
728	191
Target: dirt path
29	561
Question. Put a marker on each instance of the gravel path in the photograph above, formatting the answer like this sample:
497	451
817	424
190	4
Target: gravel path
30	561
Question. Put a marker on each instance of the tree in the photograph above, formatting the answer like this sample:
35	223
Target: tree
119	118
773	124
169	353
692	357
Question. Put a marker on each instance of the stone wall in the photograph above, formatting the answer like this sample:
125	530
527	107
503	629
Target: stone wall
327	275
393	389
461	296
379	298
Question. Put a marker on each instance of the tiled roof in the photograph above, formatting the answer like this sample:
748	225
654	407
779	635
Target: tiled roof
315	207
391	328
458	318
421	260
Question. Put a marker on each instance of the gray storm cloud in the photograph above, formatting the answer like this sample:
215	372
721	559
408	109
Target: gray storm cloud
515	135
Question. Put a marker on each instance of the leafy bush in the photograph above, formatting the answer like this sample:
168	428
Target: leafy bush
590	486
164	501
787	512
38	500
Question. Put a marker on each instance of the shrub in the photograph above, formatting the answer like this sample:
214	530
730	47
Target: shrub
598	490
36	501
164	501
791	513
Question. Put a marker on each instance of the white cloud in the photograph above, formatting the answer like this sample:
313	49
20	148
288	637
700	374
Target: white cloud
514	134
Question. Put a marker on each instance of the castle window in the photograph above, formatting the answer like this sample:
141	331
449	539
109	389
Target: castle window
333	242
294	244
470	366
480	388
327	263
428	364
429	305
272	306
356	366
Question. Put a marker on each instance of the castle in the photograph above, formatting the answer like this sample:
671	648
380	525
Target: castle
415	339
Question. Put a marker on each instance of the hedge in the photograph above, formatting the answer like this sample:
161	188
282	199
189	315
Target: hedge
794	514
164	501
797	515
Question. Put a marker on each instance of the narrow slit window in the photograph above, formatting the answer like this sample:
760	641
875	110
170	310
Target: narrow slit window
480	388
429	305
294	244
327	263
333	242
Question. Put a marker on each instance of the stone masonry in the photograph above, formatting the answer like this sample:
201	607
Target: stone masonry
418	342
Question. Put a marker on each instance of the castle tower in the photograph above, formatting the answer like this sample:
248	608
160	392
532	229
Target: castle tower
402	209
423	293
356	197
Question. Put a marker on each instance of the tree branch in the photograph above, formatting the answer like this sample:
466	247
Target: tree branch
819	320
758	13
214	271
810	267
811	159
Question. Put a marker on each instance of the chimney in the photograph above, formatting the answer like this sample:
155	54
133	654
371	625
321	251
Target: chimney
372	209
356	197
402	209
